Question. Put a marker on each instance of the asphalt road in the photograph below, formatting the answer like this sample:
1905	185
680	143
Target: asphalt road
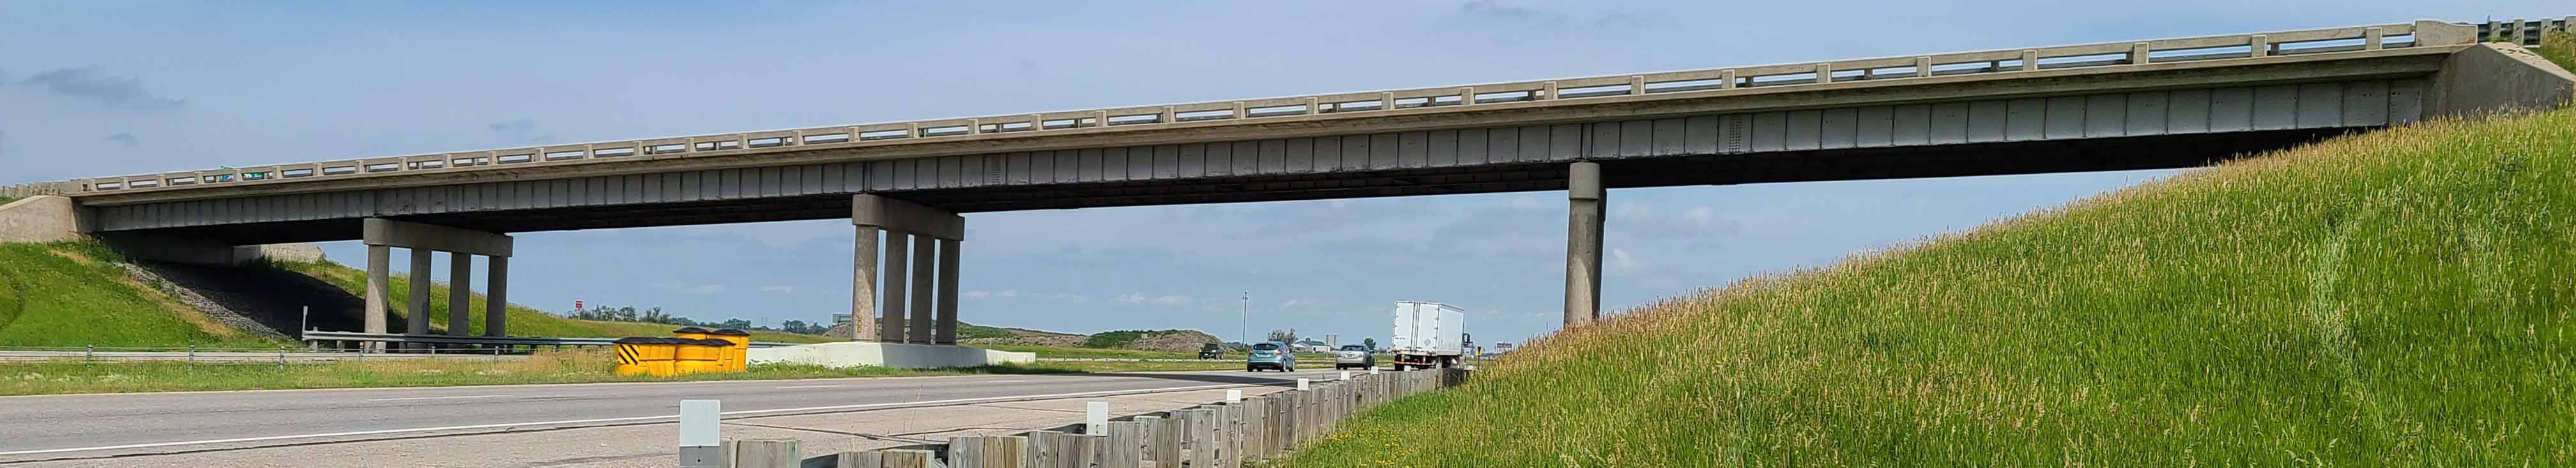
237	356
57	427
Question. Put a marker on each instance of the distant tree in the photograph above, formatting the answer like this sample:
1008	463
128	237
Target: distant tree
1370	343
738	324
1288	335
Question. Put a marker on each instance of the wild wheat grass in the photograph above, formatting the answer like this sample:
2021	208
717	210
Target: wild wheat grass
2396	298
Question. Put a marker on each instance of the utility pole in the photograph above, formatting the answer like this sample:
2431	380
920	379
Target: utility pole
1240	333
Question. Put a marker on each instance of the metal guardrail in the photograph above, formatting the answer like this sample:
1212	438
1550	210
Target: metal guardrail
311	336
193	354
1677	84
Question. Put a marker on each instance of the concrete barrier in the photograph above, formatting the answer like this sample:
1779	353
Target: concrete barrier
900	355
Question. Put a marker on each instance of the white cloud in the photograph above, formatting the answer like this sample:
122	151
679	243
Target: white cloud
778	289
1169	301
685	288
1700	215
1621	264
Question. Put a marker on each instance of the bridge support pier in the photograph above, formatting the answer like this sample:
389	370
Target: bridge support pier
1585	200
921	249
382	235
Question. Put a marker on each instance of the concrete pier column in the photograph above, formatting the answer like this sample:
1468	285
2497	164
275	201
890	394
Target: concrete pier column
863	286
379	290
419	312
946	330
496	300
382	235
897	252
924	279
460	294
1585	199
913	269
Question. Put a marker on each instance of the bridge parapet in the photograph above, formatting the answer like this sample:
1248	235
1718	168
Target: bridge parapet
1406	102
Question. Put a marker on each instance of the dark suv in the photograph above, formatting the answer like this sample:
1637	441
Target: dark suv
1212	351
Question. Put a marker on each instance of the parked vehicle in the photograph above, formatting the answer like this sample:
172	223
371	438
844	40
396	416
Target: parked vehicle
1212	351
1428	335
1270	355
1354	357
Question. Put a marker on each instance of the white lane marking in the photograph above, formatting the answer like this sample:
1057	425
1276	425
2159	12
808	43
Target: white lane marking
608	420
439	398
1005	381
808	386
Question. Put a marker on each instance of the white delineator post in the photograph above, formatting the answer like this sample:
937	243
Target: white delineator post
1095	418
700	440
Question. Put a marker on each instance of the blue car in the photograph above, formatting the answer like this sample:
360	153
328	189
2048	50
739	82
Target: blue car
1270	355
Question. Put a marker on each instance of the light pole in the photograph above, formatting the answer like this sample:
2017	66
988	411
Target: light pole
1243	332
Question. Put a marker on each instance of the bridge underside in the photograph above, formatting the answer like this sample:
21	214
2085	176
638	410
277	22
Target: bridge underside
1974	159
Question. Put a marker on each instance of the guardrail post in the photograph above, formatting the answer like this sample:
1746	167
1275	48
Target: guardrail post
986	452
764	453
2257	46
281	357
89	353
192	356
1126	447
1050	449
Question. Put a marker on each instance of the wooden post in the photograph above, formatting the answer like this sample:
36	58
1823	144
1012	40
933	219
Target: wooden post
1200	434
1163	440
761	453
904	458
1231	417
1252	418
987	452
1126	447
1050	449
865	459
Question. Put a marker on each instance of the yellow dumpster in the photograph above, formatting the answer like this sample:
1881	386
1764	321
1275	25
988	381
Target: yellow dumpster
645	356
737	356
690	333
698	356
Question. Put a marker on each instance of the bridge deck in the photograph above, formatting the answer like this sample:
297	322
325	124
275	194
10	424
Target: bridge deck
1277	117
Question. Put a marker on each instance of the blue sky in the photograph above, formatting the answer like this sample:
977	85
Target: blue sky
104	88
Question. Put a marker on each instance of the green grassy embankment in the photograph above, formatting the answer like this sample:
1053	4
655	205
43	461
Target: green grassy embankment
2398	298
522	321
70	295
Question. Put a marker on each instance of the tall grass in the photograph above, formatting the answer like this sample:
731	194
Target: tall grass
2396	298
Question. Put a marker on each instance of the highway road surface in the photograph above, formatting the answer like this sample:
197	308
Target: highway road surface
628	424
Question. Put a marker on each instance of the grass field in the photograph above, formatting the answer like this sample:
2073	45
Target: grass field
2399	298
67	294
523	321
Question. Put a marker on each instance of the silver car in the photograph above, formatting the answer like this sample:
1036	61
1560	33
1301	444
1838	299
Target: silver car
1353	357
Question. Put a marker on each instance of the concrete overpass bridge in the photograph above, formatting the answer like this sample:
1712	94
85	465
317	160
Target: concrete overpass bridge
2113	106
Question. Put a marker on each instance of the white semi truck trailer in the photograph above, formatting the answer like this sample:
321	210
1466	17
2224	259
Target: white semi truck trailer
1428	335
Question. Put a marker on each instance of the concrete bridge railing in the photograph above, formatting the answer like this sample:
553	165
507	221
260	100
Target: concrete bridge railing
1406	102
